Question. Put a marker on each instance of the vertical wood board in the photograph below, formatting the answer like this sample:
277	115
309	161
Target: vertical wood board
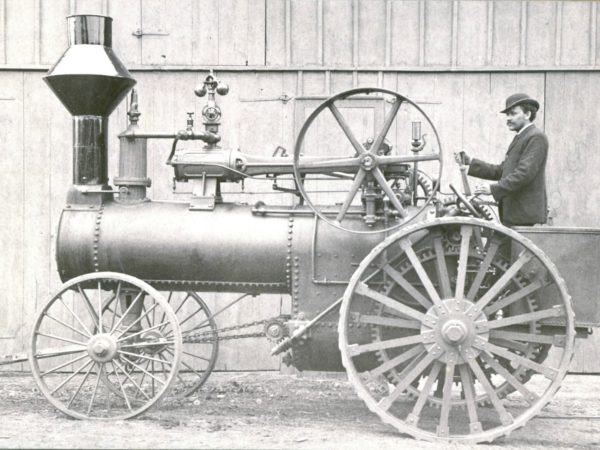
575	49
405	33
275	33
304	32
438	32
337	33
372	33
472	33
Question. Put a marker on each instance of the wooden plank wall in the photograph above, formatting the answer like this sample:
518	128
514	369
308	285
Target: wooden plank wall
458	59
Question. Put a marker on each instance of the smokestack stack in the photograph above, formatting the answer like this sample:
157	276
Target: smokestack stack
90	81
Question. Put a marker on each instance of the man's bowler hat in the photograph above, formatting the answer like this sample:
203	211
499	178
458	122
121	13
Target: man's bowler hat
519	99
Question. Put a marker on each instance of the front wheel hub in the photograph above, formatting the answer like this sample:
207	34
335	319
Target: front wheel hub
102	347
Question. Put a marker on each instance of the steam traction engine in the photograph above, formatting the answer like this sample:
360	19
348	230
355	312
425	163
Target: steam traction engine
449	326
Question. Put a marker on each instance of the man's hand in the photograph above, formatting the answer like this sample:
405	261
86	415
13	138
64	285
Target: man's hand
462	158
483	189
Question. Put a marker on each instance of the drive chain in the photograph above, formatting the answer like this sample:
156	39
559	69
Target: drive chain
200	337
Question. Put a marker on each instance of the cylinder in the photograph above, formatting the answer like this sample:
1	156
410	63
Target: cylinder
132	179
89	30
90	144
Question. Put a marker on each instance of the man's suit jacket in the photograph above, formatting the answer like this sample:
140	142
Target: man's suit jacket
521	188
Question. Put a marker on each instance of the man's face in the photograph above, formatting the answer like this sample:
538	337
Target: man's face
516	118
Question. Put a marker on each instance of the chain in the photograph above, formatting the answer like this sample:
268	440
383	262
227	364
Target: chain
214	335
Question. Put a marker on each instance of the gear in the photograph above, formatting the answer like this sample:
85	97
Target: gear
534	352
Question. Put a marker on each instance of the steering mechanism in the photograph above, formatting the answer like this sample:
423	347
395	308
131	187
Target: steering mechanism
373	168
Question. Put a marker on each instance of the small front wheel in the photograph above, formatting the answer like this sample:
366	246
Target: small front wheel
105	346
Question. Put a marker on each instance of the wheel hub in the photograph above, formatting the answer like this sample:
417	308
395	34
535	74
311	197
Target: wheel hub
452	330
154	338
368	161
102	347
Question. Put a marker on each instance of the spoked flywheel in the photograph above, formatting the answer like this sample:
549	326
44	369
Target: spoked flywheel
445	326
105	346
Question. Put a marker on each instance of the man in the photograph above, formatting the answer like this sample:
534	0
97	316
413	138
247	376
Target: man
521	185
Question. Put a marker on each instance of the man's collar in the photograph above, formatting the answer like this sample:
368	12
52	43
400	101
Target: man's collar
524	128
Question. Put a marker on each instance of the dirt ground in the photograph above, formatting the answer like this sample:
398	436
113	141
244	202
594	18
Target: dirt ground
272	410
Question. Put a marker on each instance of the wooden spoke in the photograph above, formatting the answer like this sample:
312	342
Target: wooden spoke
66	325
507	343
342	122
138	355
413	417
100	326
356	184
556	340
504	416
88	305
148	344
88	332
62	351
70	377
478	238
142	369
357	349
397	360
443	428
548	372
389	322
117	294
503	281
86	376
196	356
180	305
514	297
192	369
61	338
387	124
145	330
93	397
529	396
555	311
407	286
60	366
483	268
466	231
441	266
129	308
376	172
138	320
131	379
363	289
468	388
416	370
406	245
121	387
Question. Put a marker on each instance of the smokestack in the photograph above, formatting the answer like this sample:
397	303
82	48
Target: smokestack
90	81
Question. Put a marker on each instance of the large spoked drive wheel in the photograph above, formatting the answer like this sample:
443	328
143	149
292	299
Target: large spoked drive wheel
445	326
373	177
105	346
